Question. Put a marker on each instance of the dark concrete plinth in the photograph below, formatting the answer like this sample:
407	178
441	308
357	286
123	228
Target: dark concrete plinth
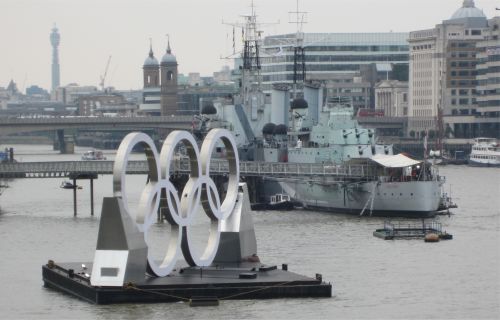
221	282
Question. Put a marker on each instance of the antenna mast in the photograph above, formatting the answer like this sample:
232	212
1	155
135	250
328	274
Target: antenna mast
299	56
252	41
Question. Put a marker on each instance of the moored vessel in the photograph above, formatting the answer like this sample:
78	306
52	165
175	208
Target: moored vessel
485	153
93	155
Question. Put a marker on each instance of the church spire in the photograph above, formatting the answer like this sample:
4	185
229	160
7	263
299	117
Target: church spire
151	55
169	51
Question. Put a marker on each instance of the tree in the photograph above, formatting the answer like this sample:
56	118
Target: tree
412	134
432	134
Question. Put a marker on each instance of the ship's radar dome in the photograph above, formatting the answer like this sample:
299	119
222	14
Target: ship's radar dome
269	128
280	129
208	109
299	103
468	10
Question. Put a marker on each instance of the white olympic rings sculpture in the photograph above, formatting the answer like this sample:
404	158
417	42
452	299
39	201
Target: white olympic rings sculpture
200	188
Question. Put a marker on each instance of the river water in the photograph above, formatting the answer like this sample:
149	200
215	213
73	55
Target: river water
372	278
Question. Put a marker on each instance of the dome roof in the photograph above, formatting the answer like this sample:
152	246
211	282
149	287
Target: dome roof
168	57
468	10
150	60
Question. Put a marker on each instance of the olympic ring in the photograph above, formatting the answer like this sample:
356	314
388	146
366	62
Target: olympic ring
179	212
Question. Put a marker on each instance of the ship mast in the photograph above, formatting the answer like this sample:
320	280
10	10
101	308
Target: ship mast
299	57
251	78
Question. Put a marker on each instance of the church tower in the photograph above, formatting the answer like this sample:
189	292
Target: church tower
168	69
151	69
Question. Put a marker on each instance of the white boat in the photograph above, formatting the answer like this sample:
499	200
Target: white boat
279	201
485	153
93	155
69	185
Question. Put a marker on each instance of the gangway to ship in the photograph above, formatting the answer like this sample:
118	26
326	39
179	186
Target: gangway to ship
272	170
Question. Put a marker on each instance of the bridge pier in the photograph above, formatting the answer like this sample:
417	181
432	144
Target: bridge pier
64	143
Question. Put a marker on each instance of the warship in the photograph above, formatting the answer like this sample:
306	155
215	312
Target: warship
294	123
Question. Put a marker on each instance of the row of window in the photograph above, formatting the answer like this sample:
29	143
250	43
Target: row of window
489	81
463	101
359	48
327	67
491	58
338	58
463	73
463	44
422	47
463	112
457	54
463	83
463	64
489	103
475	156
492	69
463	92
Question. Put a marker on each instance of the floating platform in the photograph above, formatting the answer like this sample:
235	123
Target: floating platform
411	231
198	286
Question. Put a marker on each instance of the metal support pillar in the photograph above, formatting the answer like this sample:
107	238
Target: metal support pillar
91	197
74	197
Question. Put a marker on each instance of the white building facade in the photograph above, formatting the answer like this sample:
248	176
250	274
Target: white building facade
442	75
391	96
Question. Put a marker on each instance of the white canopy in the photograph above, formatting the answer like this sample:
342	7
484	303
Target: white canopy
394	161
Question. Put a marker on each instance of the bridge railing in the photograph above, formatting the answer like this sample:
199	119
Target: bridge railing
249	168
87	120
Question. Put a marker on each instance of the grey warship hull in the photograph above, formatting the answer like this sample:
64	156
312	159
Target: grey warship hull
418	199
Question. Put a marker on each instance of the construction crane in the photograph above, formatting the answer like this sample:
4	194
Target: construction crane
103	77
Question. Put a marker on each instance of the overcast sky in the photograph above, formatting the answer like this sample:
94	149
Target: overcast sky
92	30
